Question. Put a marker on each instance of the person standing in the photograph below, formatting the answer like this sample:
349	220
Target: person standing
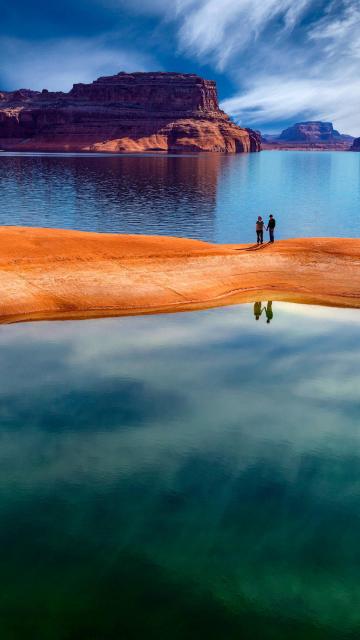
269	312
258	309
260	230
271	227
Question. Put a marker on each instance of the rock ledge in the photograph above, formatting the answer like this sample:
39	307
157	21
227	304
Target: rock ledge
53	274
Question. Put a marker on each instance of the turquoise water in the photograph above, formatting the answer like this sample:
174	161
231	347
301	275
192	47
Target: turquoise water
212	197
181	476
192	475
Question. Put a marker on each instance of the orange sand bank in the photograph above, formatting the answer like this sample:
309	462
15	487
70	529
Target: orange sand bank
50	273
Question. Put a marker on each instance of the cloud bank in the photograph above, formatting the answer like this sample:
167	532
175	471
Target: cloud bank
290	59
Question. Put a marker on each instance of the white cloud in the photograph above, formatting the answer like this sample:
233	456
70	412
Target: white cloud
223	29
341	34
57	64
280	97
296	69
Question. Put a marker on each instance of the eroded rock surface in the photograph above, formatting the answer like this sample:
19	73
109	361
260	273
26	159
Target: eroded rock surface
309	135
52	273
124	112
313	132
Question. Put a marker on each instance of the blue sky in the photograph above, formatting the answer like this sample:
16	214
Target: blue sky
275	61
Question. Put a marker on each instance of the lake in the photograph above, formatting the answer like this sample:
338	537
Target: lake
181	476
211	197
193	475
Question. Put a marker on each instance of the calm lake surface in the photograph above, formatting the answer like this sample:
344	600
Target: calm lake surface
212	197
181	476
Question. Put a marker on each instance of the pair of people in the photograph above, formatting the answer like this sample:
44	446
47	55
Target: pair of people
258	309
260	224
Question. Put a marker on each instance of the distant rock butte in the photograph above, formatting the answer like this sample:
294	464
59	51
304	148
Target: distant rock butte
355	145
123	113
313	134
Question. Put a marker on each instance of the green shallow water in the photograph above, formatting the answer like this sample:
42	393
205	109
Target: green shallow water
182	476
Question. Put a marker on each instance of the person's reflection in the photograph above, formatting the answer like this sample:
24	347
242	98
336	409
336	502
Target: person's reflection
258	310
269	312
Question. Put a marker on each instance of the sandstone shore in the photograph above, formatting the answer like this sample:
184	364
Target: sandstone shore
54	274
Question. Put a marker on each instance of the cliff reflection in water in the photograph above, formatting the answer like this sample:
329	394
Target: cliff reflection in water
169	195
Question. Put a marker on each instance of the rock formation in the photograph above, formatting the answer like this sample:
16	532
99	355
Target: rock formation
355	145
54	273
312	132
124	112
302	135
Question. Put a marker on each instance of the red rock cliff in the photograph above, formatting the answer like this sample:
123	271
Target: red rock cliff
309	135
125	112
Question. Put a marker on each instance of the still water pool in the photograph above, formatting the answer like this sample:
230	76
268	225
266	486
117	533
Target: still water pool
211	197
181	476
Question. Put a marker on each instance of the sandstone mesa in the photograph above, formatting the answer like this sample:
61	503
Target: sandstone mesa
55	274
310	135
127	112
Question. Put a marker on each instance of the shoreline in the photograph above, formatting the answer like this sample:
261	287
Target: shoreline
159	152
54	274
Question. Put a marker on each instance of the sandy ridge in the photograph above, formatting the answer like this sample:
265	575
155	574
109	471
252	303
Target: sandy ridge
52	273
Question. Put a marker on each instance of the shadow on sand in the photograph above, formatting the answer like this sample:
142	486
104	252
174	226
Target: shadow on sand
255	247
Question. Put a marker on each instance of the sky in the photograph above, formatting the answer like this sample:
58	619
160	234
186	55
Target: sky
276	62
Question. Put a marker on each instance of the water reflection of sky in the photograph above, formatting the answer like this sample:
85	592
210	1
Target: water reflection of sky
215	370
222	450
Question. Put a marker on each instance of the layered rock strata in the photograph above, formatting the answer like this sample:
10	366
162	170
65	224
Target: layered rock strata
136	112
49	273
309	135
313	132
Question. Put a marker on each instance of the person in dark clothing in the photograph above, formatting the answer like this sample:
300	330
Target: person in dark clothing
271	227
258	309
269	312
260	230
